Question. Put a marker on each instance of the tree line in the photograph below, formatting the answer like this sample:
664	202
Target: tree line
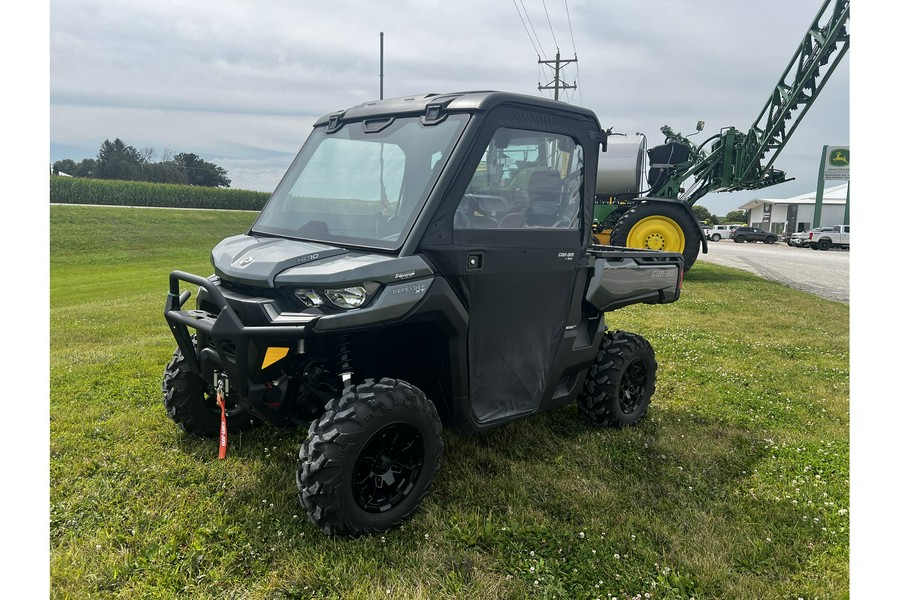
704	216
118	160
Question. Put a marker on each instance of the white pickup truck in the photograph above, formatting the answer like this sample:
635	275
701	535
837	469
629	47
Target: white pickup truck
830	237
718	232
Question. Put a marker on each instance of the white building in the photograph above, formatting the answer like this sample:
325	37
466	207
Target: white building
796	214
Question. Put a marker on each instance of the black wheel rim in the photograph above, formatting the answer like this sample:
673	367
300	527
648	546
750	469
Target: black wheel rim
388	467
633	386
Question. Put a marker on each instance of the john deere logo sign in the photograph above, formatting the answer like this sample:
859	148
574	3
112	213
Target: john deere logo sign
838	163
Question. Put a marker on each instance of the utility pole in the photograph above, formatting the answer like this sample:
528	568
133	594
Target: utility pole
557	83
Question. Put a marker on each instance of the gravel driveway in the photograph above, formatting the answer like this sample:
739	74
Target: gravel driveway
823	273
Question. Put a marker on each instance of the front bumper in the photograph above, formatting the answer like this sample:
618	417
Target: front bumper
227	346
256	341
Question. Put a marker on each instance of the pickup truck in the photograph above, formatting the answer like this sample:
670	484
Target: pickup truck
425	262
718	232
830	237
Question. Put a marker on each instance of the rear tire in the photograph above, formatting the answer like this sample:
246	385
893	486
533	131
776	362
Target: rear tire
740	239
716	237
370	460
824	244
658	226
192	404
621	381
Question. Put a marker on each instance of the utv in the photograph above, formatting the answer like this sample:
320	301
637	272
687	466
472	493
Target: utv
425	262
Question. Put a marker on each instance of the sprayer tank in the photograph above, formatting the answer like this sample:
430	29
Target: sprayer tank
620	170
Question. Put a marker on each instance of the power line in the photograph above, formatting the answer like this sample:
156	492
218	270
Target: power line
553	35
571	33
575	52
526	30
556	65
525	10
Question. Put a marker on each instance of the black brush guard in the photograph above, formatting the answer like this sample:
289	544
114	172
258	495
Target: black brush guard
226	329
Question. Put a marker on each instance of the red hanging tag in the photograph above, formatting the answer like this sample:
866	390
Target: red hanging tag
223	428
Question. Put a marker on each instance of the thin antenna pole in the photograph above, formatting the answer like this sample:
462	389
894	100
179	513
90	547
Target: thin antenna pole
381	76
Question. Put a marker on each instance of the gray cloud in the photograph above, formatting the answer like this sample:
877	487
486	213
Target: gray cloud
241	83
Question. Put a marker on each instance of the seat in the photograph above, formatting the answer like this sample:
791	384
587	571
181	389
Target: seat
544	193
514	220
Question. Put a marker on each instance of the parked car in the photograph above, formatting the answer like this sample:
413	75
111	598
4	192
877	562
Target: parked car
800	239
717	232
752	234
797	238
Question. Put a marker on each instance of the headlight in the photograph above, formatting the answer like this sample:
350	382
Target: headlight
309	297
349	297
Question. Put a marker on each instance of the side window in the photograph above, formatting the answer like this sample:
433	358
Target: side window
525	180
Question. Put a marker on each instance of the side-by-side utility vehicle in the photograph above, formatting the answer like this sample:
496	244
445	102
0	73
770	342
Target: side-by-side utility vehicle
425	262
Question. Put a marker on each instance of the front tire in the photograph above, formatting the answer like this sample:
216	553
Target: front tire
369	461
769	240
658	226
192	404
621	381
716	237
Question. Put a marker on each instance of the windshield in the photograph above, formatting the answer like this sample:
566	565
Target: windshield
361	185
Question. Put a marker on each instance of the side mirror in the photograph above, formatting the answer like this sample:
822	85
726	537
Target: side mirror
701	125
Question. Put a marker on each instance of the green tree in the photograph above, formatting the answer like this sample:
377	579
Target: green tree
163	172
118	160
66	165
736	216
702	214
86	168
199	172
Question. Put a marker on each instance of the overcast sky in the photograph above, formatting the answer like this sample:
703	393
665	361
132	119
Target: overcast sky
240	83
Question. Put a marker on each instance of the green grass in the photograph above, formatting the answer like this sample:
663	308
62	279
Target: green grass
736	485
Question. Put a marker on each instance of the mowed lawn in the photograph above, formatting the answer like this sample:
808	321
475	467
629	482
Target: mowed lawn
736	485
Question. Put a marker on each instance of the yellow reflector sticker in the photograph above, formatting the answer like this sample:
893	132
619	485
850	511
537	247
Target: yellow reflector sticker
273	355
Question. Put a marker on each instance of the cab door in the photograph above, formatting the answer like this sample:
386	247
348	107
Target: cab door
518	237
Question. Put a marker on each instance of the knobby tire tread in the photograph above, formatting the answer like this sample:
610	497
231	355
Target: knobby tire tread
598	399
323	453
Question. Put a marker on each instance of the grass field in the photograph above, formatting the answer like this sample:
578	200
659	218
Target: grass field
736	485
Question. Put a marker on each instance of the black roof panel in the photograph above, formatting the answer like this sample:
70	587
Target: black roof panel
452	102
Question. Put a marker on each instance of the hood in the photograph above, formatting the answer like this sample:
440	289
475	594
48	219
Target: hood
256	261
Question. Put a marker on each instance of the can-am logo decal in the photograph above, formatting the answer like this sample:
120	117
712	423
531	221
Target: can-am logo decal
244	262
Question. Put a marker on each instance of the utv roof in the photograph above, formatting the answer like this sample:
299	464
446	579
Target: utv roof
451	102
